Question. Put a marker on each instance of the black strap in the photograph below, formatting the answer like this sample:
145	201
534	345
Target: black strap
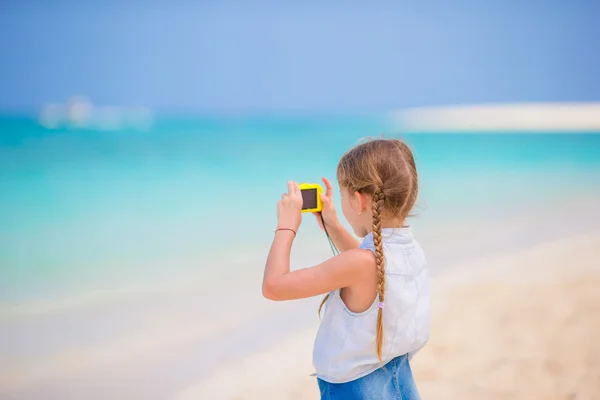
331	244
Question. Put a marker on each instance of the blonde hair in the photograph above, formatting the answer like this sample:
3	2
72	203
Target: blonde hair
385	170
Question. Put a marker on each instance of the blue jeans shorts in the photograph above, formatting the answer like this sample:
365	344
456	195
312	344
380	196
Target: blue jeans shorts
394	381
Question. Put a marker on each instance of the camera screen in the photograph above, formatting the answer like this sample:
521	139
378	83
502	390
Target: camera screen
309	198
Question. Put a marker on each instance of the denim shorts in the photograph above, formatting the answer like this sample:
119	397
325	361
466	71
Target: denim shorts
393	381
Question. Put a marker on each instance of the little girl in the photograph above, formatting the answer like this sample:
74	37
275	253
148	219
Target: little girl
377	305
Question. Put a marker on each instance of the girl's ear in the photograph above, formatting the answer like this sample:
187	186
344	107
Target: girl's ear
362	202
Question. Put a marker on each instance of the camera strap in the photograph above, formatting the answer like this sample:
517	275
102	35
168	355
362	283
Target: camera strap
331	244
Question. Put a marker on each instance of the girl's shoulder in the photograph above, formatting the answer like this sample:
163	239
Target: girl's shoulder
402	237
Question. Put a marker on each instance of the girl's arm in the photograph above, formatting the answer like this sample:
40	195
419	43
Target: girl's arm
342	239
346	269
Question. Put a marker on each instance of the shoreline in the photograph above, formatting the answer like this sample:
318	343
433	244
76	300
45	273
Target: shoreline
427	232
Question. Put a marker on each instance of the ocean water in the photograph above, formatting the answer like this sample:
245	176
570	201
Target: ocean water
85	209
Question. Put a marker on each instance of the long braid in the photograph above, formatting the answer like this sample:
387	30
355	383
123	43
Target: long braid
377	210
323	303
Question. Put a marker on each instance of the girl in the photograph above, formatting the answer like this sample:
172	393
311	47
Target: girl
377	307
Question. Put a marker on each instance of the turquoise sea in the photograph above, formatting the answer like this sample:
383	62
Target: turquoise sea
86	209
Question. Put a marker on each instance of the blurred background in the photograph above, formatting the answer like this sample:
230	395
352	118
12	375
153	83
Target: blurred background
144	145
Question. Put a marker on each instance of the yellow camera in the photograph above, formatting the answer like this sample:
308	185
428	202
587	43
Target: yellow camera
311	197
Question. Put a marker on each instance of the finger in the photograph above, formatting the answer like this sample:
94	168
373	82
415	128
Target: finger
318	217
299	197
284	197
324	198
328	187
297	188
291	187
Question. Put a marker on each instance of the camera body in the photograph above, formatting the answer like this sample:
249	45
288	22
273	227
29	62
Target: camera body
311	197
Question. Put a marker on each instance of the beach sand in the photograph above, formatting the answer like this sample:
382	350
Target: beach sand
518	326
523	326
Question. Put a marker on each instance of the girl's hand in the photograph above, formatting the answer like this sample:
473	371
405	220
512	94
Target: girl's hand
289	208
328	211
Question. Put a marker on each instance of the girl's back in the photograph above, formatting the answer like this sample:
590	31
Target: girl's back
344	347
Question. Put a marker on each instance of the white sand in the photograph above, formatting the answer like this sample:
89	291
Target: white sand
521	326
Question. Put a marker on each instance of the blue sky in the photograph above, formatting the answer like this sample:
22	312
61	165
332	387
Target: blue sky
268	55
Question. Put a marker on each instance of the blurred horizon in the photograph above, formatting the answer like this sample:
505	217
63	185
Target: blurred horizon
79	112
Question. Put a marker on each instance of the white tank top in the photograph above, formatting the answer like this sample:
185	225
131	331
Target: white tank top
344	348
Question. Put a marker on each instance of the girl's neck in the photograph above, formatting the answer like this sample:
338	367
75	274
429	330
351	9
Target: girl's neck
392	223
